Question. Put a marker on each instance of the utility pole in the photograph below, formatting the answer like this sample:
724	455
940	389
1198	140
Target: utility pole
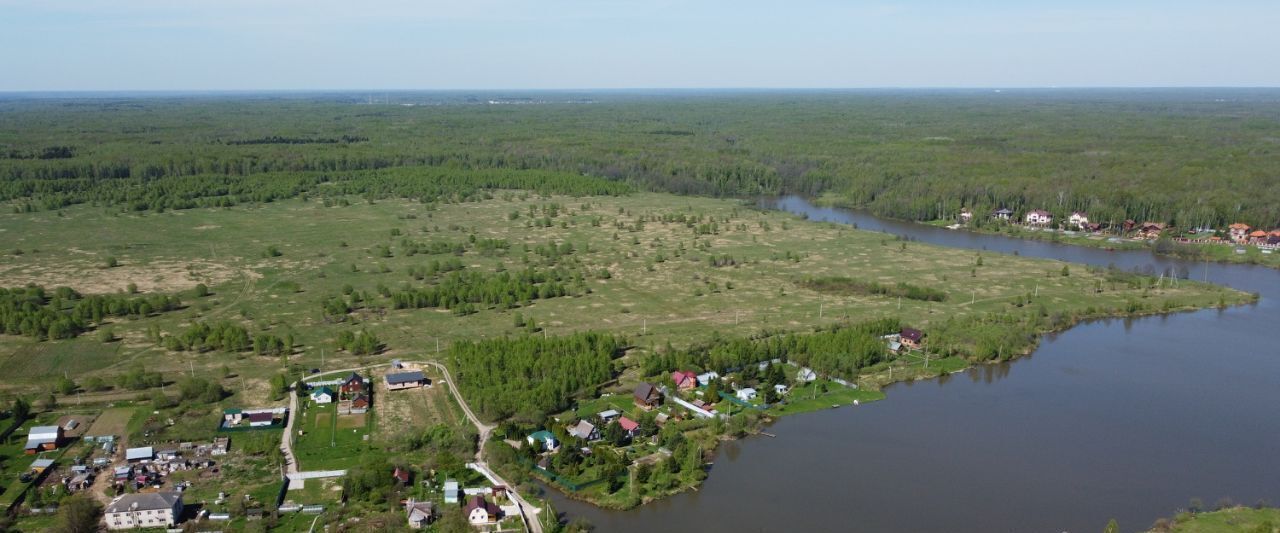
973	297
644	326
819	310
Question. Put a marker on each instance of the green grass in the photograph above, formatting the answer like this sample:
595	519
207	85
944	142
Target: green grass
327	444
1246	519
810	397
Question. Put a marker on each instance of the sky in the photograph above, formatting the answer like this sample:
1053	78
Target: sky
82	45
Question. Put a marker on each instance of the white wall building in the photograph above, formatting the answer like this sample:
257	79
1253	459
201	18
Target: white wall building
144	510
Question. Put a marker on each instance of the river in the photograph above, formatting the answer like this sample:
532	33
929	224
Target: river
1124	419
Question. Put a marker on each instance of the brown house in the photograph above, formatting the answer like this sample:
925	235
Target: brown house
647	396
352	384
912	337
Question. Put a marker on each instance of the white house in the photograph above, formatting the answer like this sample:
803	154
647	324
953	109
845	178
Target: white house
1078	220
481	511
746	394
322	395
1039	218
806	375
780	389
706	378
134	455
144	510
966	215
609	415
1002	214
544	440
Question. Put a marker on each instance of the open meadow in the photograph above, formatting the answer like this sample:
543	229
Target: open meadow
655	268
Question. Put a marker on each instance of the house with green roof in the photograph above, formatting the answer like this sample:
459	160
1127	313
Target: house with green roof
544	440
322	395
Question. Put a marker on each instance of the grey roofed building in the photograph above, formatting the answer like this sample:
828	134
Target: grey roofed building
145	501
42	463
405	377
584	430
139	454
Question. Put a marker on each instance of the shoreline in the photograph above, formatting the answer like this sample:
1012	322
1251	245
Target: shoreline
1216	253
873	385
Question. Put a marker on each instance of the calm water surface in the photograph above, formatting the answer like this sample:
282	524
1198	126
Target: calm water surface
1125	419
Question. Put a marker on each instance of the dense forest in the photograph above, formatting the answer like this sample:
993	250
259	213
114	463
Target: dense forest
531	376
1186	157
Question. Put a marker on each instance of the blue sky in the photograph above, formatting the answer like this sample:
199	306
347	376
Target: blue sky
508	44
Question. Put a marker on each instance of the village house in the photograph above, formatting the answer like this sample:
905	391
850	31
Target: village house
420	513
481	512
966	215
144	510
43	439
585	430
543	440
780	389
1258	237
220	446
401	475
232	416
647	396
706	378
1002	214
628	425
1039	217
452	492
911	338
1239	232
609	415
358	404
805	375
352	384
322	395
1078	220
746	394
405	380
1150	230
685	380
260	419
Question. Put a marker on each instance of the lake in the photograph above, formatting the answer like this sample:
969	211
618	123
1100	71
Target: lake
1124	419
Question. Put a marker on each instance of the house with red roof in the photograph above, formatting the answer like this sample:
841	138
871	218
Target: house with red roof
685	380
628	425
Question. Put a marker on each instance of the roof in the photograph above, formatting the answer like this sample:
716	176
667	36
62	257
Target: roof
401	474
405	377
260	417
232	411
628	424
423	509
746	392
542	436
1258	233
478	501
1239	225
912	334
322	390
139	453
1004	211
450	485
353	378
144	501
360	399
682	375
40	431
644	391
611	413
583	429
42	463
1040	212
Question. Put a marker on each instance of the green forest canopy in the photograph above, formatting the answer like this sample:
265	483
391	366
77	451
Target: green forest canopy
1187	157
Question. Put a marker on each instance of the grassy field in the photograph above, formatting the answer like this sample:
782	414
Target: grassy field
661	285
329	440
1265	520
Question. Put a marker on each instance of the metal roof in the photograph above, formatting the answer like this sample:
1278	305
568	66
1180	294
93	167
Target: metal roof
139	453
405	377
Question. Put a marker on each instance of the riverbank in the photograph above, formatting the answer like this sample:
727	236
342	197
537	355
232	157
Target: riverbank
1225	253
1228	520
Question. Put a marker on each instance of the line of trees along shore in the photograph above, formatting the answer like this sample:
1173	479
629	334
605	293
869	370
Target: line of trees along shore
1189	158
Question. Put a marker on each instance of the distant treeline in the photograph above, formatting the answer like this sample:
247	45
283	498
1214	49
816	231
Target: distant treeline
276	139
1187	158
463	291
849	286
34	312
48	152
